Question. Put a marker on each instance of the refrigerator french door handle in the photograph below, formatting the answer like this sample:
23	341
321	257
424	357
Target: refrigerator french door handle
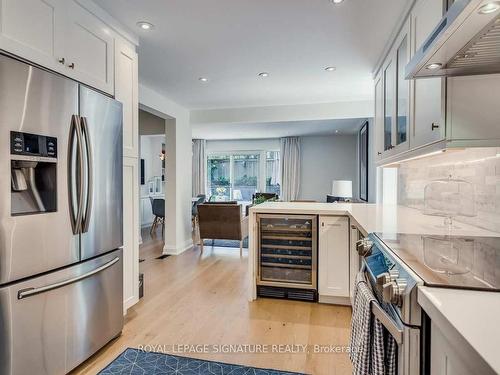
90	174
76	218
24	293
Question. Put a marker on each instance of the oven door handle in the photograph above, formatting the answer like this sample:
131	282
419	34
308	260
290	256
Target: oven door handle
387	322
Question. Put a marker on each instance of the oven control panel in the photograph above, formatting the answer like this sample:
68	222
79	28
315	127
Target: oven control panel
32	145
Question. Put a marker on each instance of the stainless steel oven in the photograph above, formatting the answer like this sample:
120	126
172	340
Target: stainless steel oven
287	255
395	288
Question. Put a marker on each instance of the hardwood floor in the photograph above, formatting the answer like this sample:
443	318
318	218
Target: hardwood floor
202	299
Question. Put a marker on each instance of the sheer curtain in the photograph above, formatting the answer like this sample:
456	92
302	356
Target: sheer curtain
290	168
199	161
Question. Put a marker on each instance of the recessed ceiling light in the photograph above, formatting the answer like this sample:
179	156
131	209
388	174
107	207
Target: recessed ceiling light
434	66
203	79
264	74
489	7
336	1
145	25
330	68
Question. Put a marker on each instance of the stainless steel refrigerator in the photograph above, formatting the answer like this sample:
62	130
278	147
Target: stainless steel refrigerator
61	276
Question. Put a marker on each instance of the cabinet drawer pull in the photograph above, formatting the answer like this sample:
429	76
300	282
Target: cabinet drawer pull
379	153
62	60
71	66
434	126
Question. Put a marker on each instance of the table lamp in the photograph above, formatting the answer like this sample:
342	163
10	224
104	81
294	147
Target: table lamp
342	190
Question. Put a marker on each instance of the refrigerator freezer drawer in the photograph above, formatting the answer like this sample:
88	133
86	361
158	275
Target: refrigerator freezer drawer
52	323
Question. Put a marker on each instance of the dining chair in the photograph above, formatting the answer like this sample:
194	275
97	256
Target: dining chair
158	207
194	213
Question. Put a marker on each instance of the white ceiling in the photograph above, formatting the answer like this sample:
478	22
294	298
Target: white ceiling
231	41
276	129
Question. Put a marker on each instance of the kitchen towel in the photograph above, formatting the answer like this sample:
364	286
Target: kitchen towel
373	350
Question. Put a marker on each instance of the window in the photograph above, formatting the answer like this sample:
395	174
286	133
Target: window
273	174
219	176
238	175
245	181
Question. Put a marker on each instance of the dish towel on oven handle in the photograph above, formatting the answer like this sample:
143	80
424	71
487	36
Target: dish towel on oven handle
373	349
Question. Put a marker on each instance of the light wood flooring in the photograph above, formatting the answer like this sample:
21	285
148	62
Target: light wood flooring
202	299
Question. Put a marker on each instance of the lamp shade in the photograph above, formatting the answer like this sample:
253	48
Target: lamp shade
342	188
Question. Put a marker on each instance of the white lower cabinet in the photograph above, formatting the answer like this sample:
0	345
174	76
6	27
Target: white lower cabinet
354	259
333	259
448	359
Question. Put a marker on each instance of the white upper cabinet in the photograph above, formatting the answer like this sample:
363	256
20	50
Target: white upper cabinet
88	48
401	57
392	99
379	117
428	103
29	29
62	36
126	87
473	110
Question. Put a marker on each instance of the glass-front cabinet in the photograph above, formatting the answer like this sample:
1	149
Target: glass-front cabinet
392	94
403	93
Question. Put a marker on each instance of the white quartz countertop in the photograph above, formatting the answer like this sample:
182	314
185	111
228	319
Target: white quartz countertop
376	217
469	319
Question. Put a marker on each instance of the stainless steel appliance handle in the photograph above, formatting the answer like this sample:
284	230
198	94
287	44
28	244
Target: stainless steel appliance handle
24	293
388	323
381	315
76	218
90	174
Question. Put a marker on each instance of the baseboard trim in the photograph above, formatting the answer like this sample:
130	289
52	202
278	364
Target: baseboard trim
129	302
174	250
344	301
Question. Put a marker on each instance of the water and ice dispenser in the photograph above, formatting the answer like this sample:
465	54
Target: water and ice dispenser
33	169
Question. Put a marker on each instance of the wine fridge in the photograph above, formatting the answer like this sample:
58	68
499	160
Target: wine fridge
287	256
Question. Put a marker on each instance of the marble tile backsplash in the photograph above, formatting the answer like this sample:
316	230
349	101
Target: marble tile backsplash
479	166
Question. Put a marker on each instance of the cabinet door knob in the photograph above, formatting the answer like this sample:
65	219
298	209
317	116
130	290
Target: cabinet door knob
71	66
434	126
379	153
62	60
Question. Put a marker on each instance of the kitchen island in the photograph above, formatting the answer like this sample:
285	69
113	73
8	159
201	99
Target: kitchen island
464	327
365	217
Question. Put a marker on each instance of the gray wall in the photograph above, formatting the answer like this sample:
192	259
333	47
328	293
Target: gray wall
324	159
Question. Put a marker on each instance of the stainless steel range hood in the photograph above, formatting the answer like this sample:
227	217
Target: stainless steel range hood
465	42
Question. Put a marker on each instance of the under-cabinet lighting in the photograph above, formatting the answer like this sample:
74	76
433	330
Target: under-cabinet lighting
489	7
434	66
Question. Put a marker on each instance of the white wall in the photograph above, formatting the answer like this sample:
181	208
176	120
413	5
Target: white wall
305	112
272	144
151	146
178	168
324	159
